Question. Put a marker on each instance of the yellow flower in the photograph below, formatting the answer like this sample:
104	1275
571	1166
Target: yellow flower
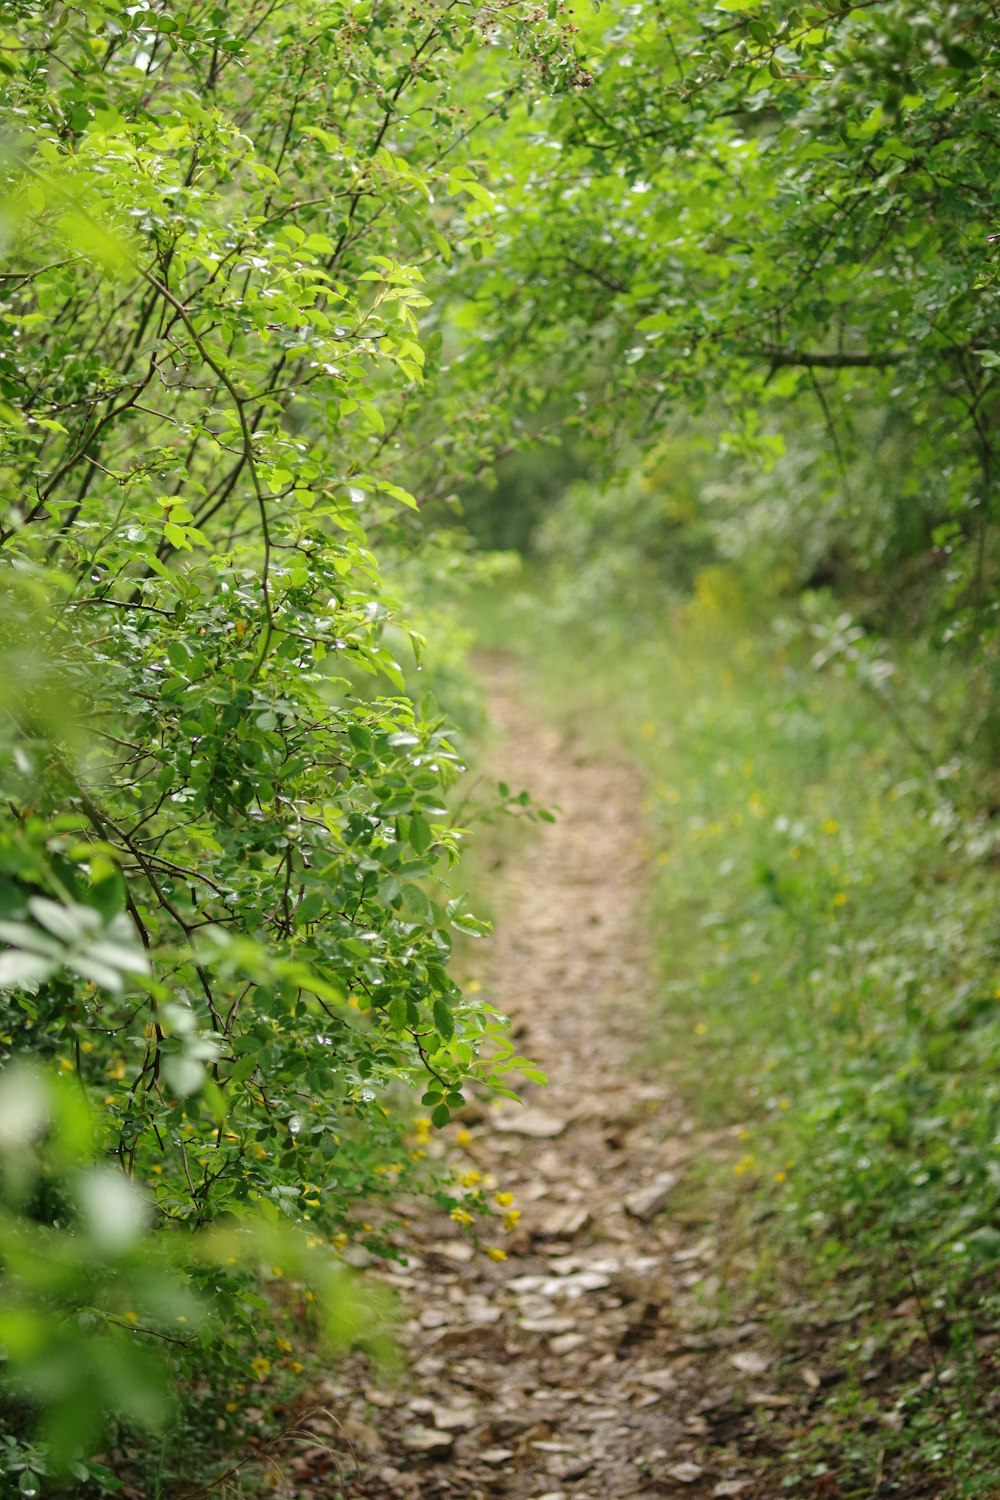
701	1029
460	1216
779	1176
504	1200
840	899
510	1219
296	1367
232	1406
284	1345
463	1138
260	1367
473	987
470	1179
495	1253
744	1165
830	826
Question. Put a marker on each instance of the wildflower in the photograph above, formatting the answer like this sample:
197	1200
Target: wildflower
473	987
260	1367
830	826
784	1104
779	1176
510	1219
504	1200
743	1166
840	899
460	1216
232	1406
470	1179
463	1138
284	1345
701	1029
86	1046
296	1367
339	1240
495	1253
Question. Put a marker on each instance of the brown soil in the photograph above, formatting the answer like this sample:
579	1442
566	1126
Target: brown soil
591	1363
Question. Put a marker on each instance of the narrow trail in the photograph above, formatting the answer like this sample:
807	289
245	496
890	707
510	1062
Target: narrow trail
575	1368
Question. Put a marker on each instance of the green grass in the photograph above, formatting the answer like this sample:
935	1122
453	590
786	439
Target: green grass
824	896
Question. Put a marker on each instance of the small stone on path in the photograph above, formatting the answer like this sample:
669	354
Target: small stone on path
427	1441
530	1122
645	1203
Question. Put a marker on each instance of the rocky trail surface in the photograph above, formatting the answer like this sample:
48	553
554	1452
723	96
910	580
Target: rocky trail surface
590	1363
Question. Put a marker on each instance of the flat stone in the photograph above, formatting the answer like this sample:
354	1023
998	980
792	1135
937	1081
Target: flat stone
427	1441
565	1343
645	1203
685	1473
530	1122
750	1362
495	1456
455	1418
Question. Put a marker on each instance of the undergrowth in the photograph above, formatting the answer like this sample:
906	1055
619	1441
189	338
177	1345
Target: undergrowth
824	890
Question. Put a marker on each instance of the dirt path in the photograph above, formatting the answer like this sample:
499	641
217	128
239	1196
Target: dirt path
576	1367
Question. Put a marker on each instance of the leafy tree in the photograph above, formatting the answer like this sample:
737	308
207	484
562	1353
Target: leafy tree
779	219
225	821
